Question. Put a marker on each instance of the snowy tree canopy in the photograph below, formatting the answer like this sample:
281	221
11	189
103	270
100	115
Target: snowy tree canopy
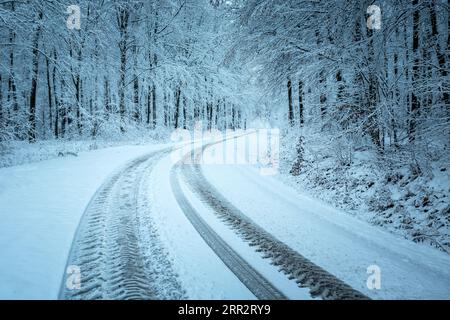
131	64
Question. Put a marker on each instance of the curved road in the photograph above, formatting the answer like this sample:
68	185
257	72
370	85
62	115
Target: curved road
116	246
117	261
294	265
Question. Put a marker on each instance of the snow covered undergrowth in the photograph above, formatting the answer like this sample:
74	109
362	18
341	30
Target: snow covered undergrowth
41	205
408	197
13	153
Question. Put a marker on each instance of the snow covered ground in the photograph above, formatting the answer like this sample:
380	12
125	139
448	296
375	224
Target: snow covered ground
289	288
41	205
341	244
357	108
202	273
402	192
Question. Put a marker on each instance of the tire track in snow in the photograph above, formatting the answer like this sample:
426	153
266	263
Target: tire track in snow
291	263
116	245
251	278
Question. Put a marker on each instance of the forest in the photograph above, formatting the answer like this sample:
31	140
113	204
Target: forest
359	88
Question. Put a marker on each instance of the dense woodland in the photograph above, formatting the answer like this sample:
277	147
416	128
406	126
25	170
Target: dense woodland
170	63
388	85
132	64
360	88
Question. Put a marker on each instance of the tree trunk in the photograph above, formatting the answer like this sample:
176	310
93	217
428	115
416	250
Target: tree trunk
65	116
149	105
137	115
441	57
49	95
107	104
415	104
154	106
12	88
184	113
300	103
177	107
323	96
122	21
57	109
123	64
373	96
34	81
291	107
78	96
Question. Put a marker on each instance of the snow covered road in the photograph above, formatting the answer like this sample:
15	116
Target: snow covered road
158	229
290	262
117	248
340	244
262	288
40	208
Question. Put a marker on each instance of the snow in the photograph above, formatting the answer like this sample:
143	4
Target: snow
337	242
194	261
279	280
41	205
362	114
385	192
